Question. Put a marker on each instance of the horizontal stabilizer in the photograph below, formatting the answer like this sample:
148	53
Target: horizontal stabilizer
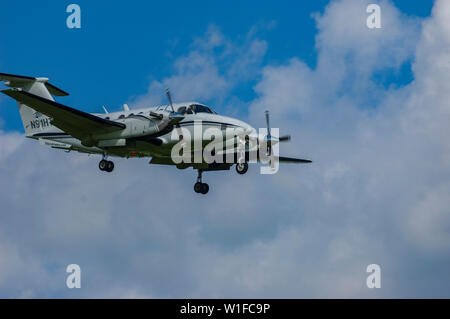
21	80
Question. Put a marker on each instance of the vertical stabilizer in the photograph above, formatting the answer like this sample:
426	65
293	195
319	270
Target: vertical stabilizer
33	121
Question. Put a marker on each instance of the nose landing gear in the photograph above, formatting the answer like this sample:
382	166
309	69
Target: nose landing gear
200	187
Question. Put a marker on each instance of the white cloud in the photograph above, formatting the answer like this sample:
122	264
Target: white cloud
200	76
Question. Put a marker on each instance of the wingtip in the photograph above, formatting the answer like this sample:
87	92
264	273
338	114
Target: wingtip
7	91
10	92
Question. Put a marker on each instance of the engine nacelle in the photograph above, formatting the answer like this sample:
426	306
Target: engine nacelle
135	127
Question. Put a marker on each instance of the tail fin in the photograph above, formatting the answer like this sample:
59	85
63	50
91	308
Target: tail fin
33	121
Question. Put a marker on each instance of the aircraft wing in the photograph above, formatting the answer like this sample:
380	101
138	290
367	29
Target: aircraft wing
281	159
77	123
168	161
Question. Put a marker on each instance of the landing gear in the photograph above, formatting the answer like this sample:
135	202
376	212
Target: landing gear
102	165
242	168
200	187
106	166
110	166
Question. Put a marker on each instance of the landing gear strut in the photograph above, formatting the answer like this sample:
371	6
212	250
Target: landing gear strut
107	166
200	187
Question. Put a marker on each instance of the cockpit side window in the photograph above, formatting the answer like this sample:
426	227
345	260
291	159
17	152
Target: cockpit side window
182	109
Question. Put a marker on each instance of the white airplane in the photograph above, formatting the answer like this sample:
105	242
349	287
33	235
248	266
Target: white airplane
150	132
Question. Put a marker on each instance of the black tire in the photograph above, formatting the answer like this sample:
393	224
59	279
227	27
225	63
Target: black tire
205	188
198	187
109	166
102	165
242	168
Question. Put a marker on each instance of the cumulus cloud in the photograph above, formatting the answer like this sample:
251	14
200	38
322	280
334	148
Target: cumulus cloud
376	192
213	67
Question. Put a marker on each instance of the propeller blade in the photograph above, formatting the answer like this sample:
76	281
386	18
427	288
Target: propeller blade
268	124
293	160
284	138
170	99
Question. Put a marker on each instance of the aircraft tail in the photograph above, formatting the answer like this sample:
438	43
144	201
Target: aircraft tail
33	121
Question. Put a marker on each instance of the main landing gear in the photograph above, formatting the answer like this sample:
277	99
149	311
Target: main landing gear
107	166
242	168
200	187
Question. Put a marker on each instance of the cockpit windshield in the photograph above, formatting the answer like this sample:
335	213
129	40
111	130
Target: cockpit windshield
201	109
195	108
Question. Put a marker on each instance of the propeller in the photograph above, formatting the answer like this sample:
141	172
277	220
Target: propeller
268	125
175	117
172	119
270	140
170	99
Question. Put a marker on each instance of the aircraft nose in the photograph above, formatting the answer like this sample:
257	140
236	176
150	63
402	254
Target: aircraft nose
249	129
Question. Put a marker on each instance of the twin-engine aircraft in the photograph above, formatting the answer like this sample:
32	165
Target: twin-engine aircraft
152	132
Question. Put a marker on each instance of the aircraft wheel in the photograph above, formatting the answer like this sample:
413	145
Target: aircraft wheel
242	168
109	166
102	165
198	187
205	188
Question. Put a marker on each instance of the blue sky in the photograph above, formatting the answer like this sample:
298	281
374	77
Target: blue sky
122	46
370	107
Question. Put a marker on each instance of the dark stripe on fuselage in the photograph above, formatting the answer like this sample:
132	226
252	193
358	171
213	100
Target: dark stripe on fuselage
187	123
165	131
47	135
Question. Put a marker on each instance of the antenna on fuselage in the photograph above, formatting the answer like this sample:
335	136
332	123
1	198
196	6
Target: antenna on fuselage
104	109
125	107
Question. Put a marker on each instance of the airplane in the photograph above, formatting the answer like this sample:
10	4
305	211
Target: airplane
150	132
